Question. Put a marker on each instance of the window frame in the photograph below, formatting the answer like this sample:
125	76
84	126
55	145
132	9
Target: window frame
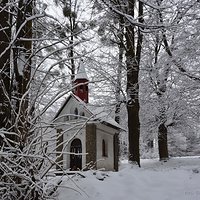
104	149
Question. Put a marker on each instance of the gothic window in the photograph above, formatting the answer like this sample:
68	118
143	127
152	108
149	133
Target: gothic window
66	118
82	114
75	113
104	149
76	159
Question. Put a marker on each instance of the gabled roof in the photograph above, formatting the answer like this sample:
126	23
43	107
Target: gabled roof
98	114
65	103
103	117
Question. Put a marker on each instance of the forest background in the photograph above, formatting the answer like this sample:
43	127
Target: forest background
142	58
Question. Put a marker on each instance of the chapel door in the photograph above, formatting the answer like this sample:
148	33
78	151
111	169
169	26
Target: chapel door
76	160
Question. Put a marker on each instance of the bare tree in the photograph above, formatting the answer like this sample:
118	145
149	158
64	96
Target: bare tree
29	86
173	20
133	43
5	33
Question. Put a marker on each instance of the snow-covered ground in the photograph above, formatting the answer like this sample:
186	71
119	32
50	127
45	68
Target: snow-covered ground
177	179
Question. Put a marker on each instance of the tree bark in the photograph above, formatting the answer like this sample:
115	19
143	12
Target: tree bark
161	89
132	62
162	142
162	129
134	132
134	39
119	71
5	94
22	69
5	34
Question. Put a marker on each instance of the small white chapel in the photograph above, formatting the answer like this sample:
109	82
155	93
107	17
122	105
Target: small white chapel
86	136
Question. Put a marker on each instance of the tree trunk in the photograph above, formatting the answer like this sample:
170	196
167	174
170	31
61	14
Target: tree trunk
22	70
133	55
133	103
119	71
162	129
5	94
161	89
162	142
5	34
133	110
134	131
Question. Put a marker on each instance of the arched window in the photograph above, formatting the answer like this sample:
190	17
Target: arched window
82	113
104	149
75	156
75	113
66	118
81	88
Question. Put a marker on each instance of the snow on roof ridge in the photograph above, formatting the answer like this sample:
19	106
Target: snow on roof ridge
81	73
101	115
98	113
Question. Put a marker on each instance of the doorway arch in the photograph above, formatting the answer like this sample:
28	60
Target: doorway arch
76	160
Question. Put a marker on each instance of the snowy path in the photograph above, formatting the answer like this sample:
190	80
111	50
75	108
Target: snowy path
177	179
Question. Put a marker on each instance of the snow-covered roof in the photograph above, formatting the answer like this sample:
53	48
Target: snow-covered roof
101	115
97	113
81	73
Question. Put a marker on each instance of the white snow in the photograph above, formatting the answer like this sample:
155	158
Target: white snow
81	74
176	179
101	115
